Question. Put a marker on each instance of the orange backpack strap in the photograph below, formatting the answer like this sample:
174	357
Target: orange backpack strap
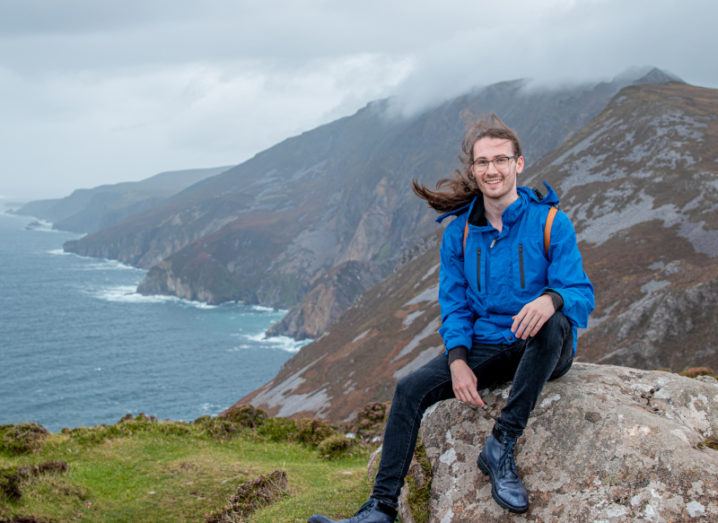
466	232
547	229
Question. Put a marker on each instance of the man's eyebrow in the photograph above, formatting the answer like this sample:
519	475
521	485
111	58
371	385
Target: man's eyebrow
497	156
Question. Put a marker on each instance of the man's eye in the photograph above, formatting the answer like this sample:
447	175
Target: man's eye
482	163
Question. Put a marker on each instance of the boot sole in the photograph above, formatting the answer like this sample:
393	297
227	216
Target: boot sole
485	469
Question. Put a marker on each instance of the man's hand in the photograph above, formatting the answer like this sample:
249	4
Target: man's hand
463	381
532	316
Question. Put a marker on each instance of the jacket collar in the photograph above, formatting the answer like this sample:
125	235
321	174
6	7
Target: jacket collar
475	208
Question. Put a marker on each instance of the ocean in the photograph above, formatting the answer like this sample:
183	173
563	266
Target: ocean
78	345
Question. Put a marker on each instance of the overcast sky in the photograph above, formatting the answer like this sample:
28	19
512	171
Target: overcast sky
95	92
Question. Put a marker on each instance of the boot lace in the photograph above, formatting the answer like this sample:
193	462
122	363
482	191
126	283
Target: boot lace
367	505
506	461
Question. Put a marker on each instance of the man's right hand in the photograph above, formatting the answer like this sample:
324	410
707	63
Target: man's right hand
463	381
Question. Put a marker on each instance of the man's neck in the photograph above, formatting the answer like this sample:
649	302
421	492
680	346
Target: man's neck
494	208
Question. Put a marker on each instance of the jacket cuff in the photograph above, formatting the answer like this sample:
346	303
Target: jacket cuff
555	298
458	353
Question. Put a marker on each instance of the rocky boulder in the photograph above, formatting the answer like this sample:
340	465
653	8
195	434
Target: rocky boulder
605	443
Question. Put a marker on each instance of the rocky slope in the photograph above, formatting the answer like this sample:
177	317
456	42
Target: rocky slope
89	210
273	229
604	443
641	184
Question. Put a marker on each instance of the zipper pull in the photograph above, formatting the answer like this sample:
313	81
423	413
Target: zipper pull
493	242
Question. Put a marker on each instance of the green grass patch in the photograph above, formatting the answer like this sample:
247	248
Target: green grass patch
141	469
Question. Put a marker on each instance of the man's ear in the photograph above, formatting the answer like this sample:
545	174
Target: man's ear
520	164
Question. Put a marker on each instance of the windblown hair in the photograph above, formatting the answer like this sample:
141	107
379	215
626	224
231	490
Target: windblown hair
461	186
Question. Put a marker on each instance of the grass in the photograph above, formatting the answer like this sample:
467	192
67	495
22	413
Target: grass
174	471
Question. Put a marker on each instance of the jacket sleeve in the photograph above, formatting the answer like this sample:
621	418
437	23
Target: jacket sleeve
566	275
456	316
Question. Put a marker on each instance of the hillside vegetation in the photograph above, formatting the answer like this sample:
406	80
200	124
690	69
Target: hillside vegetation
239	467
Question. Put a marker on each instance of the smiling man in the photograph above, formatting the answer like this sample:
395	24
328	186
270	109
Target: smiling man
512	292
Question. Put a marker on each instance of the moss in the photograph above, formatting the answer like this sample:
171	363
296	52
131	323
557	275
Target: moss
246	416
335	447
26	519
126	426
11	478
279	429
694	372
252	495
420	489
711	443
22	438
312	432
370	420
219	428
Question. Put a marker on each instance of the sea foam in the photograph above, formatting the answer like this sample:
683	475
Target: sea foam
129	294
284	343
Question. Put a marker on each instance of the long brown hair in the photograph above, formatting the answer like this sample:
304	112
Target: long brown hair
461	186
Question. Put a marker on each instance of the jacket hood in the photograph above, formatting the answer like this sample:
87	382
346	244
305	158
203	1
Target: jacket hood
525	193
550	199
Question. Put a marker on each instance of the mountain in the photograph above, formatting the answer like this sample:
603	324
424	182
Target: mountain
316	220
640	182
89	210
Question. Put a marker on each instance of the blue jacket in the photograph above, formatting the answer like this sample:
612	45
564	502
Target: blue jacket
480	290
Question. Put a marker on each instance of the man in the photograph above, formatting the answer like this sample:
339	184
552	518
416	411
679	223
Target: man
512	292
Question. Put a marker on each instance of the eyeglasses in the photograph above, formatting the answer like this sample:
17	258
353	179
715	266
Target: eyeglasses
481	165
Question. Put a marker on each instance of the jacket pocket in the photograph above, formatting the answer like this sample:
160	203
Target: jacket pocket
478	269
522	275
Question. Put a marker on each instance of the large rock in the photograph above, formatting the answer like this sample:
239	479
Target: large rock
604	443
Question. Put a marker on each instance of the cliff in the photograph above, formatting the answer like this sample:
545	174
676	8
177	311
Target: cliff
89	210
275	228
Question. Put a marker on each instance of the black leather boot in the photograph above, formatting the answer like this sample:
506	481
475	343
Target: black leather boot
497	461
369	512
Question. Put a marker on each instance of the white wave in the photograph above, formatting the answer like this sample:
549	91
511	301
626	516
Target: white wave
262	308
38	224
128	294
242	347
95	264
210	407
104	265
59	252
278	342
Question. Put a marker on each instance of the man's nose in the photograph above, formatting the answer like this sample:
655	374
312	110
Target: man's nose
491	168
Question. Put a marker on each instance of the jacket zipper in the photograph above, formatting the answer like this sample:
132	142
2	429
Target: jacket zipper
521	264
478	269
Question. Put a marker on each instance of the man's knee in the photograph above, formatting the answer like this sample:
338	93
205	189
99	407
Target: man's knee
406	387
556	328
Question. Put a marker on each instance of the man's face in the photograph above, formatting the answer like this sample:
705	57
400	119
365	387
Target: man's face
495	183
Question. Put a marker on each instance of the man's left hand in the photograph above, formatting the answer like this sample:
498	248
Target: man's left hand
532	316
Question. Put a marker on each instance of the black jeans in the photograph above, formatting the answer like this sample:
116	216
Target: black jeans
531	363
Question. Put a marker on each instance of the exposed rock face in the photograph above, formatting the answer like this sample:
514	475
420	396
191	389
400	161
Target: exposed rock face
604	443
330	296
390	331
641	185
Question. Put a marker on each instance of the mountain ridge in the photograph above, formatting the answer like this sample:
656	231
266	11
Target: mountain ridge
95	208
272	229
655	287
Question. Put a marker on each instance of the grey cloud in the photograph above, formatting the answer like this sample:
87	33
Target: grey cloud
96	91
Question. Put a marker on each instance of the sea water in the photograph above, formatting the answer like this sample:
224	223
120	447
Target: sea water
78	345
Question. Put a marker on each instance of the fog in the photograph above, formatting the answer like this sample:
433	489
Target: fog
99	92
